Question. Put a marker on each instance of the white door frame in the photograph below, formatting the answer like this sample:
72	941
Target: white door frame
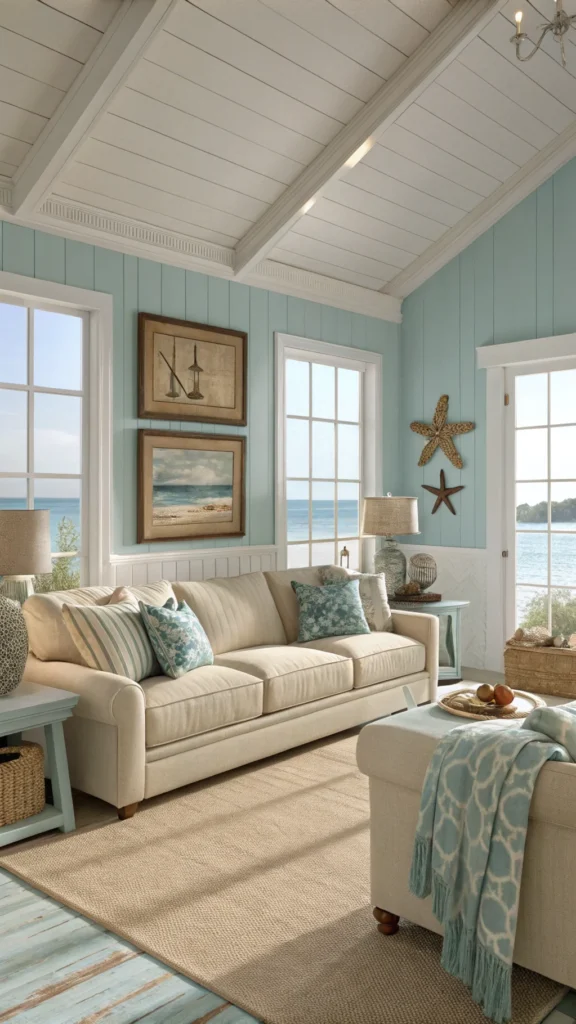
99	307
495	359
372	469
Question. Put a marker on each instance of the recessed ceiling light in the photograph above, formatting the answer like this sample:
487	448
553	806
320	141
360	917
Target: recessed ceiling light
359	153
308	206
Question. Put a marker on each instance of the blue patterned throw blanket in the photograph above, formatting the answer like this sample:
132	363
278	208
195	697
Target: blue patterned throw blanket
470	838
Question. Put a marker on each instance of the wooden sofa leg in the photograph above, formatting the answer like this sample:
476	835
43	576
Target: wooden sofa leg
127	812
387	923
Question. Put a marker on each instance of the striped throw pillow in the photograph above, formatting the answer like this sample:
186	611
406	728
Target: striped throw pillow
112	638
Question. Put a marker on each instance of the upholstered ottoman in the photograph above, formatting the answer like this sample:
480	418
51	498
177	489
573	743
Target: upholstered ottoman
394	753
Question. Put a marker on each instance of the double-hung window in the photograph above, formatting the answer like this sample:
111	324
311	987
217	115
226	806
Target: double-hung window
43	435
328	451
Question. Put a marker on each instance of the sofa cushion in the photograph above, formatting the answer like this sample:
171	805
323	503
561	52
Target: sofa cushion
206	698
373	593
377	657
235	612
292	675
332	610
48	635
280	584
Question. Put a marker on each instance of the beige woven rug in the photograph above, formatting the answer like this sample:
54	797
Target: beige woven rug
256	885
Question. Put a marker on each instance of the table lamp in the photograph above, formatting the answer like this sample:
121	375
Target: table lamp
24	553
383	517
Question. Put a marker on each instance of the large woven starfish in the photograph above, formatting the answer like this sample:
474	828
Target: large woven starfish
441	433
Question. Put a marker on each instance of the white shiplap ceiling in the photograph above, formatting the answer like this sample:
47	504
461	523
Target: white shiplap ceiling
202	127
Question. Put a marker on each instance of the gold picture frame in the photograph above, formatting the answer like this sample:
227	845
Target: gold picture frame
190	371
190	486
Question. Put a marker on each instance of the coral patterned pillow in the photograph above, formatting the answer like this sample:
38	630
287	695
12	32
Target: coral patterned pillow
177	637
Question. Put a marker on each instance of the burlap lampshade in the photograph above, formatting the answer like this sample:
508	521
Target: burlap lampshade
388	515
24	542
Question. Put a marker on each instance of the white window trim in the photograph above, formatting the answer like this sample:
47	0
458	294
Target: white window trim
99	307
289	344
495	359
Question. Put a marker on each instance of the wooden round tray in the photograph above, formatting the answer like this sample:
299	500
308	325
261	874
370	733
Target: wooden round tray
465	704
421	598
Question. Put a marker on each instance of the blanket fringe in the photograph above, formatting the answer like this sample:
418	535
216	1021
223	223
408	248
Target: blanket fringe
491	985
420	881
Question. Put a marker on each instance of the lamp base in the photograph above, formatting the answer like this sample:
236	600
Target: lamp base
390	560
13	645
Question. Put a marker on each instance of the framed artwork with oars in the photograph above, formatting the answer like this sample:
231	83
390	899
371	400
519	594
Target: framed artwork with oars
190	371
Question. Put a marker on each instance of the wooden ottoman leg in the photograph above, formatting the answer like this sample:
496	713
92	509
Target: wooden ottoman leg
127	812
387	922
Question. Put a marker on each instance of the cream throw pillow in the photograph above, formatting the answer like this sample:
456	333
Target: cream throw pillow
112	638
372	594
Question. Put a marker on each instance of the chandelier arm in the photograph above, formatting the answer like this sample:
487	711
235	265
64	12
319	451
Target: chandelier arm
537	45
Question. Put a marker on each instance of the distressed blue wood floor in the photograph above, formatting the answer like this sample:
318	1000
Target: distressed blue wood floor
57	967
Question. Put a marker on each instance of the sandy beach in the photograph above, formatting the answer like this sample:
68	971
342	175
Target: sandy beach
185	515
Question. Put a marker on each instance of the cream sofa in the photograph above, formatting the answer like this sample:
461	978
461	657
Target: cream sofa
265	692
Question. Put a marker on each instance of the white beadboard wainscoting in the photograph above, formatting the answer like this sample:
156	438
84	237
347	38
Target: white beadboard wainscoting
198	564
462	576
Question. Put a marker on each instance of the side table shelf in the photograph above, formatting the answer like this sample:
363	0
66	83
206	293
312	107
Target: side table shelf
31	706
449	614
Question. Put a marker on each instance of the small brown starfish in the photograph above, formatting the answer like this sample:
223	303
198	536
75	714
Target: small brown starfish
441	433
443	493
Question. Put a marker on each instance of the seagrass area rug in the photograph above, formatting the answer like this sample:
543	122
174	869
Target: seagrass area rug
255	884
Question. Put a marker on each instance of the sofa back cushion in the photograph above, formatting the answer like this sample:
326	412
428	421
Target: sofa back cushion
112	638
280	584
48	636
236	612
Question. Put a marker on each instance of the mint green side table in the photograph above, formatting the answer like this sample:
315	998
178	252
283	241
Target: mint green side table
450	633
31	706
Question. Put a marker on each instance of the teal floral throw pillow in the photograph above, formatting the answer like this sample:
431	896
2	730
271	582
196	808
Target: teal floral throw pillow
177	637
333	610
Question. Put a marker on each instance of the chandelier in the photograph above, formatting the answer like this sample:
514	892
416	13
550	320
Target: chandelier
559	26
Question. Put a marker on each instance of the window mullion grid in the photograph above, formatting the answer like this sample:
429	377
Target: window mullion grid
336	473
549	498
310	456
30	409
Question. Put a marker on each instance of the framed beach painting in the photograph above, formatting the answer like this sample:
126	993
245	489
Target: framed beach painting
190	486
191	371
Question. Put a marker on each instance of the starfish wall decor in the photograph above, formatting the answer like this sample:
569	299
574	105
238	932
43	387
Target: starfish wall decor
443	493
441	433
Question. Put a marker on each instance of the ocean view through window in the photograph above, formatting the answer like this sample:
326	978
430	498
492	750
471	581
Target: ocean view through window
42	442
326	456
544	544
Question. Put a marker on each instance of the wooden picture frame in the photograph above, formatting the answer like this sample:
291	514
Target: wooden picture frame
190	371
173	501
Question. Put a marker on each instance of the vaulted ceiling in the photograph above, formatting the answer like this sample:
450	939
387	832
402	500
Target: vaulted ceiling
221	134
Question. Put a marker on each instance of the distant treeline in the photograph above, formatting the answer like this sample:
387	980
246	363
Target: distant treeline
562	512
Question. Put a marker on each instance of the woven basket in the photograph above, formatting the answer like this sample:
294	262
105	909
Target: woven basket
22	783
547	670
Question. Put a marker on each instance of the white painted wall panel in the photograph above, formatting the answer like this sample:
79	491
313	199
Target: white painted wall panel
426	154
207	33
421	178
351	241
334	213
97	13
288	39
397	192
224	79
426	125
224	132
21	54
357	199
183	156
35	20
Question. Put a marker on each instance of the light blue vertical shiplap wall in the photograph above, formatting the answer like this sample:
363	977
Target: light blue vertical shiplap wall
139	284
517	281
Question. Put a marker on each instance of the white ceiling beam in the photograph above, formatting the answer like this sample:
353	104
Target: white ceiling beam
131	30
452	35
517	187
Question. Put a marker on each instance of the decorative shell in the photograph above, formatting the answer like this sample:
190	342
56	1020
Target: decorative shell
559	641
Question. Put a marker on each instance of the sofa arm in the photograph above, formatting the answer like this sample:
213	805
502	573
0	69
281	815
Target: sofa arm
426	630
106	735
